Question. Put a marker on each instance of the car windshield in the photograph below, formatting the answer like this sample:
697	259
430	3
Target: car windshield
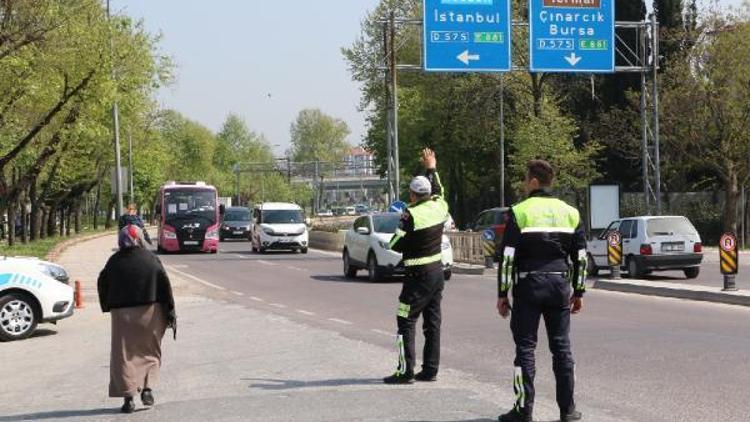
237	215
386	223
282	217
668	226
183	205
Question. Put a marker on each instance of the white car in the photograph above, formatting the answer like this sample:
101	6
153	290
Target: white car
366	247
651	244
31	292
279	226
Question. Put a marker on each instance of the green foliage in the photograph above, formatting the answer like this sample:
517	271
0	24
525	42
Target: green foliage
316	136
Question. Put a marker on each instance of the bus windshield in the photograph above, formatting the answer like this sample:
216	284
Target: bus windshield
185	205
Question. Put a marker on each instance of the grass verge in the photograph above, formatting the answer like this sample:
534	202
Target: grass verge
40	248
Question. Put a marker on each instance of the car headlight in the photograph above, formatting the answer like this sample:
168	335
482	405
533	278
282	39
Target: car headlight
384	245
170	235
212	234
55	271
268	231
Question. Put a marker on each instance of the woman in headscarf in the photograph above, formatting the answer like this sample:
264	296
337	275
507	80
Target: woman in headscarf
135	289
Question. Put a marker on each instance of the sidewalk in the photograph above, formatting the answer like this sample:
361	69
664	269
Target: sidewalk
231	363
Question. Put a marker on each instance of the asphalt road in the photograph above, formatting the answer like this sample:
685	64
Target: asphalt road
641	358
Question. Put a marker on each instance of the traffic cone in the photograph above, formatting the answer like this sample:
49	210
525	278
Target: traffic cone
78	295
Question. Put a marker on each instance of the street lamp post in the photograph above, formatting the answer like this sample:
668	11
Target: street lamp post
116	121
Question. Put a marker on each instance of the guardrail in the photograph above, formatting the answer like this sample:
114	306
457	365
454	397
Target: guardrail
467	247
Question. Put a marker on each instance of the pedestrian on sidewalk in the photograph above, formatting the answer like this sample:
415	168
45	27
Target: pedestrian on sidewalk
131	217
544	253
135	289
419	238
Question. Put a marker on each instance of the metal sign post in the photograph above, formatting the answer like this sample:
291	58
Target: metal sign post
729	259
467	35
614	254
572	36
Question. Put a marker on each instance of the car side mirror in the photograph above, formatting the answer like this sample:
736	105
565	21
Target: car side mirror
158	209
222	209
363	230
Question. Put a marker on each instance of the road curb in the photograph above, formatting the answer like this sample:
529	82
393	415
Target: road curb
61	247
466	270
696	293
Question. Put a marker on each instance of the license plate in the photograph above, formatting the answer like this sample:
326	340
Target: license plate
237	232
672	247
285	240
190	242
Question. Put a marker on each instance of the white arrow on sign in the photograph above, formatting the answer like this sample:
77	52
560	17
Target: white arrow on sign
465	57
573	59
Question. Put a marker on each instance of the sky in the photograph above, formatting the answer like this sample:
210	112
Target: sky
265	60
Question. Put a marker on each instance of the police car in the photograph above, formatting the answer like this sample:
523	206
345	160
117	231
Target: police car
32	291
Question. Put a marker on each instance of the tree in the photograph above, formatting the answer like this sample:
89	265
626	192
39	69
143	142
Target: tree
316	136
706	108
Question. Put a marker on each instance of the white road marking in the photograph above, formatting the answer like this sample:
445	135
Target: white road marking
340	321
277	305
194	278
308	313
240	256
179	266
385	333
260	261
329	253
257	299
236	293
292	267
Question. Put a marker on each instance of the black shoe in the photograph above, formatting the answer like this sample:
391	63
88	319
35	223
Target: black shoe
425	376
573	415
514	416
147	397
399	379
128	406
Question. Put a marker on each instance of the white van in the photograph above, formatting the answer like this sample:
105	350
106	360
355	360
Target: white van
657	243
279	226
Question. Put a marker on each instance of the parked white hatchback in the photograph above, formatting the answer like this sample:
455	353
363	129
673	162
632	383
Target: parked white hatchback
651	244
366	247
31	292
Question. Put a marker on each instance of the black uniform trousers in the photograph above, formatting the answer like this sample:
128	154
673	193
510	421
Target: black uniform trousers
548	296
422	293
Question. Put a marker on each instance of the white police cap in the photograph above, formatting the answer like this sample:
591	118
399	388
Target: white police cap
420	185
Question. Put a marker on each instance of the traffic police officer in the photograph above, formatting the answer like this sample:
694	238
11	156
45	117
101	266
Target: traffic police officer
419	239
544	257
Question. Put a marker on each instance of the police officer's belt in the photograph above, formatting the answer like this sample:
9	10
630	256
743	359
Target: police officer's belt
528	273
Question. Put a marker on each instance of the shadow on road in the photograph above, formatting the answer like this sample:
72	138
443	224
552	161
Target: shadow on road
342	279
43	332
278	384
61	414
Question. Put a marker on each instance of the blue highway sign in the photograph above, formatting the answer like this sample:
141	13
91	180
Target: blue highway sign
572	36
467	35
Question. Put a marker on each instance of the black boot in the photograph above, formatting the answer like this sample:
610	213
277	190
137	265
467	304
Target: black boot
514	416
573	415
426	376
398	378
147	397
128	406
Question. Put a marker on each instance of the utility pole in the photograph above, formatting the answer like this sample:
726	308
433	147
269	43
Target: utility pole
394	93
116	121
502	141
130	165
657	154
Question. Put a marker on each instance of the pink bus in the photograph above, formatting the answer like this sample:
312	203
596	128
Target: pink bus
188	214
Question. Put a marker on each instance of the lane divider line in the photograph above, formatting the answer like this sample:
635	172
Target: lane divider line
194	278
385	333
277	305
257	299
241	256
264	262
329	253
236	293
303	312
340	321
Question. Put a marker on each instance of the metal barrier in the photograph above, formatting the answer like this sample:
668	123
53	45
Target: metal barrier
467	247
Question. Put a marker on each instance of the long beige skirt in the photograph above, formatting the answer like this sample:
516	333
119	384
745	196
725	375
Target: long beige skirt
135	358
